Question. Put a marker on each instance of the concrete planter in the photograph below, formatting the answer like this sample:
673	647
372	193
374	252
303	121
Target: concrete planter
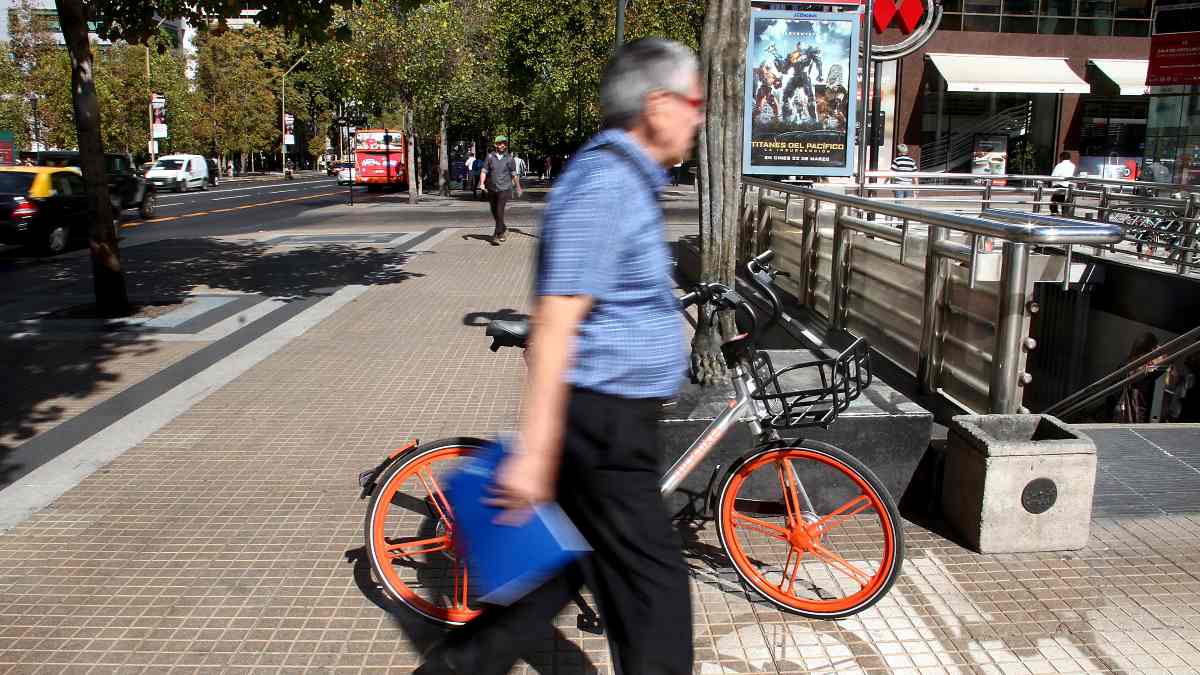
1016	483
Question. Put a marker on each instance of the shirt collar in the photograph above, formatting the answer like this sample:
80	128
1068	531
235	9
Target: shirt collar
621	141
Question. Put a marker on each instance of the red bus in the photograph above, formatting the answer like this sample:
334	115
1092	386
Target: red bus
380	158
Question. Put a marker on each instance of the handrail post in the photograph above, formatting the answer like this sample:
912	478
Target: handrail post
810	218
1038	196
987	194
1006	357
1068	205
1189	229
836	272
935	283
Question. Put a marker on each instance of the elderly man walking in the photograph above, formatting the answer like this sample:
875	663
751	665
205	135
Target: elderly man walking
607	348
498	177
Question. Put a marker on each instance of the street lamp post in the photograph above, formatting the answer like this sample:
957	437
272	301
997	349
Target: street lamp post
150	92
620	23
37	127
283	115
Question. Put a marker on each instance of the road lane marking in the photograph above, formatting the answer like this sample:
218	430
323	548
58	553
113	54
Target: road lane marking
278	191
235	208
242	189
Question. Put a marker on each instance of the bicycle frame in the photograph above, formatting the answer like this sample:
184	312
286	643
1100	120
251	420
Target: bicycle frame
737	410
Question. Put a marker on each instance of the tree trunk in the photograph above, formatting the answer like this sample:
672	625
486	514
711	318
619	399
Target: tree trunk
108	279
444	155
412	158
723	50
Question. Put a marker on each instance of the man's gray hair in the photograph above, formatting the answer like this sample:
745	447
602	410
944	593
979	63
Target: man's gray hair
639	68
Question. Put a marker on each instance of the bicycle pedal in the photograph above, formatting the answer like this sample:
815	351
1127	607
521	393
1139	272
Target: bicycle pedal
590	623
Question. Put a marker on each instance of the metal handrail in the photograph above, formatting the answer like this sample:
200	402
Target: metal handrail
1045	230
1018	234
1132	371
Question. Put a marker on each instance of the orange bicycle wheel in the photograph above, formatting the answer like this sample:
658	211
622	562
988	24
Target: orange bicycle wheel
811	529
409	531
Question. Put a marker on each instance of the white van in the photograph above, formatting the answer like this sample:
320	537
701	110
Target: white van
179	173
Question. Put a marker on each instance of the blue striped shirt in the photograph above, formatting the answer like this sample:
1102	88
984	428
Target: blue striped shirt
602	236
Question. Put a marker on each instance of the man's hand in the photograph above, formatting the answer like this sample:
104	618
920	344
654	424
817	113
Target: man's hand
524	480
519	192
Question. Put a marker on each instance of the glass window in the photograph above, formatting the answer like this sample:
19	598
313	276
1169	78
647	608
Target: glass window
951	22
1094	27
1133	9
952	6
1058	8
75	181
59	182
1132	28
981	22
1019	24
1056	26
1020	6
982	6
12	182
1097	7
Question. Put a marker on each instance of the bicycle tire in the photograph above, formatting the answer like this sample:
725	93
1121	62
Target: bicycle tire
881	553
427	533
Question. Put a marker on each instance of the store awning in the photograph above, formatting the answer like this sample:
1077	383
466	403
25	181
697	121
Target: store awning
1128	74
1015	74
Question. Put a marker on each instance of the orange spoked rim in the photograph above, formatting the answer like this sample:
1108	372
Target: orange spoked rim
833	560
411	538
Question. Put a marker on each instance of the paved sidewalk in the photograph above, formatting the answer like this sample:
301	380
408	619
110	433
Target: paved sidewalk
229	537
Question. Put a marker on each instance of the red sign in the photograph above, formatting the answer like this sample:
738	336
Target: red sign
1174	59
909	11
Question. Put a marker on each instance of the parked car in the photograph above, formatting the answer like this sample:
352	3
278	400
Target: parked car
42	206
126	188
345	173
179	173
214	173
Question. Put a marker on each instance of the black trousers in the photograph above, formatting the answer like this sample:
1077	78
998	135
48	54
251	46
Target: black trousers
1056	200
608	485
498	200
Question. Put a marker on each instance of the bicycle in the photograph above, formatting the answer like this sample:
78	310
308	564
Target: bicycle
783	508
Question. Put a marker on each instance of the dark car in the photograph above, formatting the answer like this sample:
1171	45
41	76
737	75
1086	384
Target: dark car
41	206
126	188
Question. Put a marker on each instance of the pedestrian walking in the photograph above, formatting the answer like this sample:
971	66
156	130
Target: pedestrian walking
607	349
676	172
498	178
903	163
468	165
1064	169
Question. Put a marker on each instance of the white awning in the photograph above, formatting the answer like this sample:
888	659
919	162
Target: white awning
1016	74
1128	74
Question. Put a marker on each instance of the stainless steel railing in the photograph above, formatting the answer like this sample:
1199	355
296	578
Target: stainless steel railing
1156	217
956	315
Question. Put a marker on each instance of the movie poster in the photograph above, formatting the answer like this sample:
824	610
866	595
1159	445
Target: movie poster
158	119
801	72
289	135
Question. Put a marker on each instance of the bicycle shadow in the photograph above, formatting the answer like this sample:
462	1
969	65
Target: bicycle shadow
481	319
423	634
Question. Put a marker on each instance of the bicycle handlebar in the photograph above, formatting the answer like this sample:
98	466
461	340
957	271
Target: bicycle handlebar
762	277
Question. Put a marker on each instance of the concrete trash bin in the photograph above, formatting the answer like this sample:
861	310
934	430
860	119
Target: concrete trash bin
1017	483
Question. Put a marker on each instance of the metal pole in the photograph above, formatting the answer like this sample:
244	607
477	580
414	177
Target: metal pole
283	123
1002	391
866	98
150	92
935	281
620	24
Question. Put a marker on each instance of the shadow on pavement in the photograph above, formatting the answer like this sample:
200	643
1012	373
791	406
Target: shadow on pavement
424	634
43	376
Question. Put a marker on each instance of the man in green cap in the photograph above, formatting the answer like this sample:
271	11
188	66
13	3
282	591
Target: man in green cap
498	177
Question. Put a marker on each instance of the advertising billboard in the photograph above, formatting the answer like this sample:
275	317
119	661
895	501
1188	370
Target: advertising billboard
801	84
289	123
158	119
1175	46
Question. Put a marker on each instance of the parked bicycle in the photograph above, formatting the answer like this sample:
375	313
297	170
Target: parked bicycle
806	525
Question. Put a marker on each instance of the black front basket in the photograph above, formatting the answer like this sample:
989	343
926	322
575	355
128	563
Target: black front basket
842	379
